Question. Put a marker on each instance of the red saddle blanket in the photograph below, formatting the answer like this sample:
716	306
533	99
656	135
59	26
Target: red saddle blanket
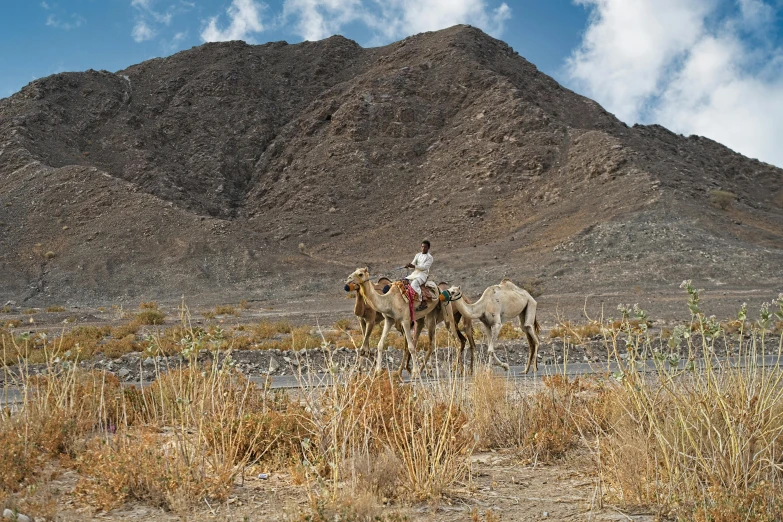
426	294
410	295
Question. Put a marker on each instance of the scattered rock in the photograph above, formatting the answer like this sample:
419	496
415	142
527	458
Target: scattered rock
19	517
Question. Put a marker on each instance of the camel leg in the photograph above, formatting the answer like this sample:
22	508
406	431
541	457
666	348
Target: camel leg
387	323
368	325
528	320
406	326
431	322
460	365
494	330
405	363
471	342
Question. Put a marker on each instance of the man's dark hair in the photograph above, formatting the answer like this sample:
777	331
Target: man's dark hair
426	242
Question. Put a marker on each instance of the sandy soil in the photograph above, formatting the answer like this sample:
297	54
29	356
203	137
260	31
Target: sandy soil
500	482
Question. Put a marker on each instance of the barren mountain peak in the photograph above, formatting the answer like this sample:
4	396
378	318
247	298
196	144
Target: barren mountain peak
266	168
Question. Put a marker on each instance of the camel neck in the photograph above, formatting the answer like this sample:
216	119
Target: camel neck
471	310
377	301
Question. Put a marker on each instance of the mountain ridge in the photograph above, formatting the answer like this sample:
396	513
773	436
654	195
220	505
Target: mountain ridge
276	169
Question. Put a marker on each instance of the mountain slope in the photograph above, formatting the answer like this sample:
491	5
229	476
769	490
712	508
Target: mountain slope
262	170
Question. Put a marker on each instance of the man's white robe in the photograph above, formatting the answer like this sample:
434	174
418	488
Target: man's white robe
421	270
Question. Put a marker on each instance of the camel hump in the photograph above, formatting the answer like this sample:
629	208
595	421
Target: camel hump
508	283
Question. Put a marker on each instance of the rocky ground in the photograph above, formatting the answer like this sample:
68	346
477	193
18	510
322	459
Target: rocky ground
501	485
665	311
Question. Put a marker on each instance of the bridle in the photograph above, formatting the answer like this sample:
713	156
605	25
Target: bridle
449	297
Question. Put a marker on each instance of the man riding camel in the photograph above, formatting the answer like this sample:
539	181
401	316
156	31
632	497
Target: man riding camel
421	270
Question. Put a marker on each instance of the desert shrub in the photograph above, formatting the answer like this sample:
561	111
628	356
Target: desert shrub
124	330
509	331
269	329
225	310
421	438
57	413
118	347
722	199
700	439
29	311
345	323
55	308
140	465
575	334
150	316
541	426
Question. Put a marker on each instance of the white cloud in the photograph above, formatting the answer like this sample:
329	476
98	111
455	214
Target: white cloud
45	5
244	21
176	41
392	19
686	65
74	22
149	21
142	32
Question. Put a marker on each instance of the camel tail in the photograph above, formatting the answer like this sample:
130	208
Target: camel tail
536	326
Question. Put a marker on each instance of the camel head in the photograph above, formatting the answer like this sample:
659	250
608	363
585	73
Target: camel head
359	276
452	294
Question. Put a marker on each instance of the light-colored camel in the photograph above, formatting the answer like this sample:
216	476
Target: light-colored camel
369	317
499	304
394	308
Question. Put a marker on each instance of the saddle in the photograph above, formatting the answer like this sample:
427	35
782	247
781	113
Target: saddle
428	291
409	294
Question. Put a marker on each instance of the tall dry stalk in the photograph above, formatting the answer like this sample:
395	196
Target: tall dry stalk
697	433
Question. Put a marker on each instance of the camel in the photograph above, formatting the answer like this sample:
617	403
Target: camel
394	308
368	316
451	317
498	304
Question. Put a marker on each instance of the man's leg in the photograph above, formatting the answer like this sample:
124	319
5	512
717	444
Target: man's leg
416	284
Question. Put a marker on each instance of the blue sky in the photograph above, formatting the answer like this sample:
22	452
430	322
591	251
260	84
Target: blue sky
708	67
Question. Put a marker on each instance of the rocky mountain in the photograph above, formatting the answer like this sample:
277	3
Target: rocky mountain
275	170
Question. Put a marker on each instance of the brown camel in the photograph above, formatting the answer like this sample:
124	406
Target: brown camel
394	308
499	304
368	316
451	317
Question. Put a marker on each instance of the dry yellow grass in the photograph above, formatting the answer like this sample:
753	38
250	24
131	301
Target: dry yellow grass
699	443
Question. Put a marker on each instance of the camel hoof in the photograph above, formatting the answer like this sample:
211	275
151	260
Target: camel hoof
506	366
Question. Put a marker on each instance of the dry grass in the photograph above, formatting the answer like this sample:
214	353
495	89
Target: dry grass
542	425
576	334
55	308
699	441
225	310
703	439
722	199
